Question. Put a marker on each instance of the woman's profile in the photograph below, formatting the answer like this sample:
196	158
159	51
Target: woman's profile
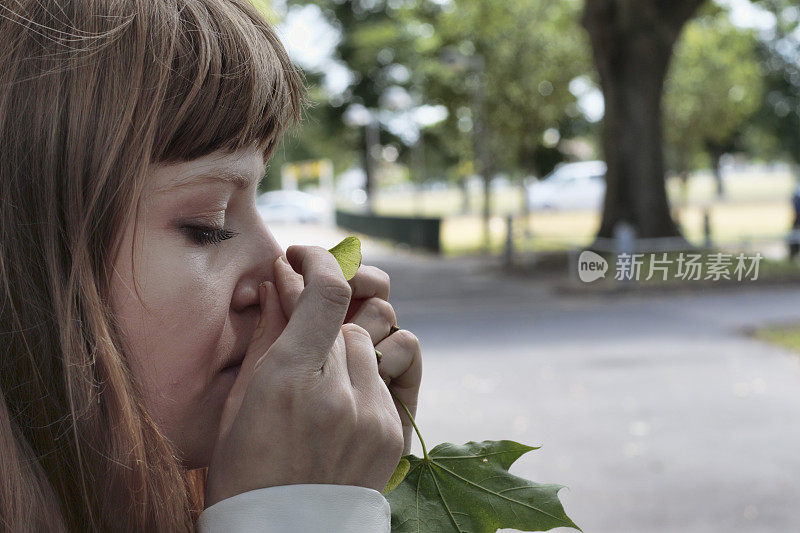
164	364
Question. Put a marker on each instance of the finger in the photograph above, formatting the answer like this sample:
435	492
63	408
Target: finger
361	363
370	282
402	360
334	369
270	325
290	284
271	329
271	322
319	314
401	365
409	399
355	305
377	317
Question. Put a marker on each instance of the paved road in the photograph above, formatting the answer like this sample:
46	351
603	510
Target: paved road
656	411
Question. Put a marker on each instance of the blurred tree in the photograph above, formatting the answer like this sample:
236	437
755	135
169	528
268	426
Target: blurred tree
517	58
774	131
377	49
531	50
503	70
319	136
633	41
714	85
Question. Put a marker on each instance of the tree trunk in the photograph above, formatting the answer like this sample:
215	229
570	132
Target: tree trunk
632	41
465	204
371	140
419	176
715	152
526	205
487	209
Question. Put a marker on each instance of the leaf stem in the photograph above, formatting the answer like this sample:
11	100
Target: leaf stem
416	429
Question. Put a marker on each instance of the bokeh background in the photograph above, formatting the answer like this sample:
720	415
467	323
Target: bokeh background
478	146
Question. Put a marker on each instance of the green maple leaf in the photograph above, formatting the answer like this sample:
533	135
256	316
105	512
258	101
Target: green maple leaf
348	255
468	489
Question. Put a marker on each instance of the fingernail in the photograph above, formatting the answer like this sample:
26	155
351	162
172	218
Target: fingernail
262	292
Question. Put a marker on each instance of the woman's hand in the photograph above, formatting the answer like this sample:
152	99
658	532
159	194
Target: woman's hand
308	405
369	308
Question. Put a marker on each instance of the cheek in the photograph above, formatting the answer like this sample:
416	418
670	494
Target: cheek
173	336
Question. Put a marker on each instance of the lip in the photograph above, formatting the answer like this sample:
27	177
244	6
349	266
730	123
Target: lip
233	362
232	370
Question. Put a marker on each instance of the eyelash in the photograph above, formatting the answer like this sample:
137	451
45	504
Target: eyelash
204	235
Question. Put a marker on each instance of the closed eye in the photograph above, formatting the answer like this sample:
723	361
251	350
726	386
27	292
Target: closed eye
204	235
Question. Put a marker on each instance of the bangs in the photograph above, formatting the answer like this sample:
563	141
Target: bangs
231	83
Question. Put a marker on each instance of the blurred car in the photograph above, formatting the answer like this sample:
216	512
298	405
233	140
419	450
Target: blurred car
292	206
570	186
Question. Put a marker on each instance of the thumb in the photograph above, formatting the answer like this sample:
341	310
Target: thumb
270	325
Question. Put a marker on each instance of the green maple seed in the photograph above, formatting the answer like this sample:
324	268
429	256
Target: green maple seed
348	255
398	476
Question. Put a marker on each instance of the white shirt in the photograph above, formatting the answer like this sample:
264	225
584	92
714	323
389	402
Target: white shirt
302	508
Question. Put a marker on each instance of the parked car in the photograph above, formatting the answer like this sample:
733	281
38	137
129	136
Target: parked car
570	186
293	206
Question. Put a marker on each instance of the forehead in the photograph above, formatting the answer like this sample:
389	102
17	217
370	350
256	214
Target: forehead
241	168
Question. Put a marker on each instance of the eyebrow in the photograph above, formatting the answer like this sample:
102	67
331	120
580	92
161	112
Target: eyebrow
219	174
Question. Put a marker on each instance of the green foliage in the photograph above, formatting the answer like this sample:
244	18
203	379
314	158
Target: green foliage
469	488
530	50
374	43
713	87
320	135
774	131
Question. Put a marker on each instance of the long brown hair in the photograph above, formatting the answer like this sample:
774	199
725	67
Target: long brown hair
93	93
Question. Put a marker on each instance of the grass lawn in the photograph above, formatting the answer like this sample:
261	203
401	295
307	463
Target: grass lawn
731	223
756	208
787	336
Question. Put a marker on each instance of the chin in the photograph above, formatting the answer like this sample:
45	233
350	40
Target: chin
199	454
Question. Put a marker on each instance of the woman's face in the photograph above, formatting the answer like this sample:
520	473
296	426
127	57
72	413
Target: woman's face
199	291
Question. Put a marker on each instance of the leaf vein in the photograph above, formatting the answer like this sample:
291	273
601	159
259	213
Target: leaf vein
501	496
444	502
501	452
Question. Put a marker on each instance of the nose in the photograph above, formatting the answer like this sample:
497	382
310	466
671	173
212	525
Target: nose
259	250
266	250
